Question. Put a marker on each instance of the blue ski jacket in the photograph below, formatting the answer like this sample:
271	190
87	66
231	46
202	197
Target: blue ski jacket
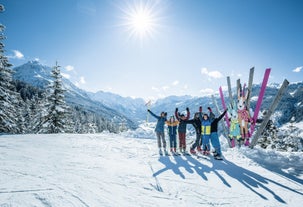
160	123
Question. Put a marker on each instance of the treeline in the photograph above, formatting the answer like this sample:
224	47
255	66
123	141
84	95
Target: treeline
32	110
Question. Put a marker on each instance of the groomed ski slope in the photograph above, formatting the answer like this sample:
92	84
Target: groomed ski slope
116	170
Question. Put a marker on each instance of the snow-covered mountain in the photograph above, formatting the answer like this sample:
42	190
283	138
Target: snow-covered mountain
38	75
108	103
130	107
290	106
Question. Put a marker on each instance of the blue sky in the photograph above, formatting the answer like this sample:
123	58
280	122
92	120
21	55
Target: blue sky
189	49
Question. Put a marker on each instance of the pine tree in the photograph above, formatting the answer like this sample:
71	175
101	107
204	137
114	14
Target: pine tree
56	118
8	97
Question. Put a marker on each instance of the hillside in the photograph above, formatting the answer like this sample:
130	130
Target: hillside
117	170
38	75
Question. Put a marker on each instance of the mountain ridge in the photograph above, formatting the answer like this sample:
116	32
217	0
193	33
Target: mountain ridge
135	109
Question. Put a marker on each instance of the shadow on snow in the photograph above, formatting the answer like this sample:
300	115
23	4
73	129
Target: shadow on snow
247	178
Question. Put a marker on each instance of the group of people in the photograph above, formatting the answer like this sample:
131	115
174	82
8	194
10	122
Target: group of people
206	128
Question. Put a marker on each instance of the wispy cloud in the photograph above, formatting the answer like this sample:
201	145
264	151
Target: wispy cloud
65	75
165	88
82	80
237	75
69	68
155	88
211	74
17	55
176	82
207	91
297	69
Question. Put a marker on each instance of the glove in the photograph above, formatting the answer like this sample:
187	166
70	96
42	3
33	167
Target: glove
209	109
176	109
187	109
200	109
148	110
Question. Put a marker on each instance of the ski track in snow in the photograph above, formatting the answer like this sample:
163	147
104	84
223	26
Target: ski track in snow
113	170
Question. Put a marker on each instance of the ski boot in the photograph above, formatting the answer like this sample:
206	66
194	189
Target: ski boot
192	151
218	157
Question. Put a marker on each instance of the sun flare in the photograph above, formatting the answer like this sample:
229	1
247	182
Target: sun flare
141	19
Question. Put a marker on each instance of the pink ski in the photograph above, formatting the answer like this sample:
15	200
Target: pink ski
260	99
224	106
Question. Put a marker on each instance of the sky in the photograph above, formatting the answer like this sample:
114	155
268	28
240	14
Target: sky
157	48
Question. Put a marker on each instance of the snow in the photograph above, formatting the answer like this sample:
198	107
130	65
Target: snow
119	170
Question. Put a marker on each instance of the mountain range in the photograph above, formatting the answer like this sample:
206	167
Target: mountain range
133	111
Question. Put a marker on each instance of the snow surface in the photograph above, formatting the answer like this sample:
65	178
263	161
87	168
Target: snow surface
120	170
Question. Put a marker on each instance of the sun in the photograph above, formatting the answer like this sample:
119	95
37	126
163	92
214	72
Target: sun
141	19
141	22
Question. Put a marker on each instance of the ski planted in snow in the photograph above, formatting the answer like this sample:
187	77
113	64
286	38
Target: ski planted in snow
250	82
224	106
225	130
260	99
269	113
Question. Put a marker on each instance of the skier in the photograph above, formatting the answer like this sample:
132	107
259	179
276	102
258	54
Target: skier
197	125
214	138
182	129
172	124
205	132
160	130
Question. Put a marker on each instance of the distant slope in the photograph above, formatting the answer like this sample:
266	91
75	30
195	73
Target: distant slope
134	110
130	107
290	106
38	75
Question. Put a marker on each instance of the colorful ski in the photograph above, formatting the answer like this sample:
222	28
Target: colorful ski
224	106
250	81
225	130
269	113
229	90
260	99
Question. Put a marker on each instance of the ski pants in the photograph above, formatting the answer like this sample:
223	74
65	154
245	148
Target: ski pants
161	137
173	140
182	140
214	139
197	143
205	142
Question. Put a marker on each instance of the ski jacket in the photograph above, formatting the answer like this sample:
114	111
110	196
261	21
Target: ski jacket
206	127
214	121
196	124
172	127
182	123
160	123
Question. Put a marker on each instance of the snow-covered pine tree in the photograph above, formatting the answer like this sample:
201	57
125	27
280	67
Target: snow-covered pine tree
56	118
8	97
